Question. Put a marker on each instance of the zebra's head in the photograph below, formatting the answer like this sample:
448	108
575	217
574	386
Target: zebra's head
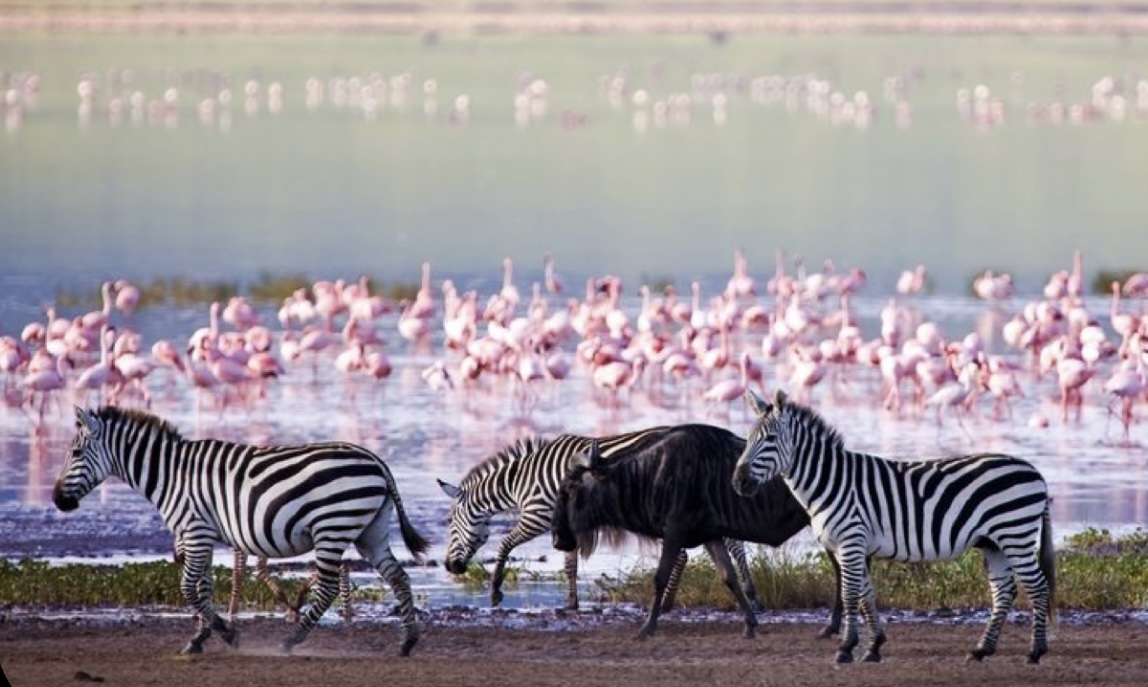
88	464
469	527
766	453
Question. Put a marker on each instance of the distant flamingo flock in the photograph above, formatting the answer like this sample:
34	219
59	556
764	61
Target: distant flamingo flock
214	99
795	329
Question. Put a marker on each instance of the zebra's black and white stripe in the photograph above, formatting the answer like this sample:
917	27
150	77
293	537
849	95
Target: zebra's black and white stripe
526	476
862	505
272	501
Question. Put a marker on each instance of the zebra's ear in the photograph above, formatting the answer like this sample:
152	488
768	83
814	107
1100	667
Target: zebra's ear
755	402
449	489
84	418
780	399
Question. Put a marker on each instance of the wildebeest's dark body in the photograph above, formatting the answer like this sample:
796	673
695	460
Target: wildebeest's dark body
677	489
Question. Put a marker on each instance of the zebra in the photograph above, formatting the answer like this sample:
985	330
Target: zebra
274	501
864	506
525	476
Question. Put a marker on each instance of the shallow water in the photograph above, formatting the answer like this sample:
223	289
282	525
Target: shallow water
1095	477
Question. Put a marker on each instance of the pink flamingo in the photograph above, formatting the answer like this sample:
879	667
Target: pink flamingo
1136	286
728	390
103	373
127	297
437	377
1072	374
552	281
376	364
424	306
49	379
1128	384
240	314
1123	324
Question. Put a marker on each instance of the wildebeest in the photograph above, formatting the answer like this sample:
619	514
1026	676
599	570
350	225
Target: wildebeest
676	489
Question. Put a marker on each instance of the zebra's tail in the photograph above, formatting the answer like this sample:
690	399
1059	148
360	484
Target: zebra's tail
416	543
1048	560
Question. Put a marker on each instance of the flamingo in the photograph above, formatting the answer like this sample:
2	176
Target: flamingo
552	281
1128	384
104	373
127	297
437	377
49	379
728	390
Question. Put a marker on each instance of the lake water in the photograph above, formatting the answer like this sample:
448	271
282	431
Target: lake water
742	157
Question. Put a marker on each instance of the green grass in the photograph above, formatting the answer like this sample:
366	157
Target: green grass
1095	571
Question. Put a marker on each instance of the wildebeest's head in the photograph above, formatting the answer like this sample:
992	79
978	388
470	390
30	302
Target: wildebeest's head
763	457
579	495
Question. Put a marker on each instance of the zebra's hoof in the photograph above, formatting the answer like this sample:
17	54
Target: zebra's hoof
572	605
496	598
1033	659
286	647
976	656
231	636
844	657
828	632
192	648
408	644
750	631
872	657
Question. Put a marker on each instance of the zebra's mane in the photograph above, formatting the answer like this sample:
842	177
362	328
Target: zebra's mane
114	414
814	423
507	455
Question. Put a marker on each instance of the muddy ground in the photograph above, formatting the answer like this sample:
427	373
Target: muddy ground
555	650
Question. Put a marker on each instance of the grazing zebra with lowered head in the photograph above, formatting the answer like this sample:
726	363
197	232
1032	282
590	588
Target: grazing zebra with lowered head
274	501
525	476
862	505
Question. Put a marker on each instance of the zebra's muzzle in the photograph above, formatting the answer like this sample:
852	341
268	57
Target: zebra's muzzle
455	566
743	483
64	502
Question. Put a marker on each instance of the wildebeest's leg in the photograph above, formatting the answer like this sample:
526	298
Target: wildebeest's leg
717	549
670	549
736	550
197	589
572	580
523	531
675	581
1003	586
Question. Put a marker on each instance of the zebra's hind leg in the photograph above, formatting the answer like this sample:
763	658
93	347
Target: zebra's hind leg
736	550
1003	586
345	591
238	572
383	560
717	549
1039	591
323	593
675	581
197	589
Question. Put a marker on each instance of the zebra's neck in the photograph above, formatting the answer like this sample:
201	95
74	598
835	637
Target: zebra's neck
817	472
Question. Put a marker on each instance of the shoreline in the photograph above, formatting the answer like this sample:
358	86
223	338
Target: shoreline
719	21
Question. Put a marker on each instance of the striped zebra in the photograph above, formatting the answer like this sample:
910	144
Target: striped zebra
525	476
273	501
863	505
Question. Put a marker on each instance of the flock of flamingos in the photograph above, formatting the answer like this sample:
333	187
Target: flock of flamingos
795	329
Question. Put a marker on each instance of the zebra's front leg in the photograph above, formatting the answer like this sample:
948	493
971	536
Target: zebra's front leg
571	568
1003	587
323	594
853	577
520	533
238	572
834	625
872	621
197	588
